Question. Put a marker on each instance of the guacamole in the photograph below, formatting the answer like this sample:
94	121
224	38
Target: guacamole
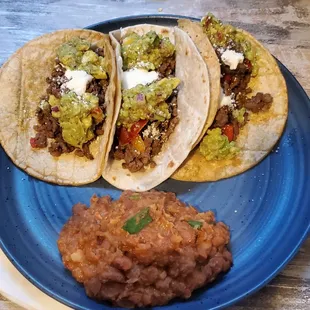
147	102
148	51
224	35
75	115
216	146
76	54
238	114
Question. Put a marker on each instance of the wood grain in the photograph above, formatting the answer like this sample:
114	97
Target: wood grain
282	25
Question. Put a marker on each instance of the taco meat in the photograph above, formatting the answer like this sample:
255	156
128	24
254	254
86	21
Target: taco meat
258	102
76	56
167	68
234	83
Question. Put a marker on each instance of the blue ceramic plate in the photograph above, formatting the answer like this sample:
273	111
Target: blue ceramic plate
266	207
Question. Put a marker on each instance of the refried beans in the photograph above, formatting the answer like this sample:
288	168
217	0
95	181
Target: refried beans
143	249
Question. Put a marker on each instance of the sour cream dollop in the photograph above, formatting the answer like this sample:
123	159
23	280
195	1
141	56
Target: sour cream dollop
134	77
78	80
232	59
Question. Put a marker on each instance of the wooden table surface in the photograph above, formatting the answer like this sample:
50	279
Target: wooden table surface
282	25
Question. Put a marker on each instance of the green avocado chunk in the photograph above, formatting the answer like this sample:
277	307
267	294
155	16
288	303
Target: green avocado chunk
238	114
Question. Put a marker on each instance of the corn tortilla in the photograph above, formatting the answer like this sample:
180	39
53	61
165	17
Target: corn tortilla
257	138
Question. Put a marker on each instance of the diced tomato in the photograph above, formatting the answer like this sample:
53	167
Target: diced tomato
96	110
248	63
228	131
137	127
55	109
207	21
126	136
220	36
97	114
33	142
227	78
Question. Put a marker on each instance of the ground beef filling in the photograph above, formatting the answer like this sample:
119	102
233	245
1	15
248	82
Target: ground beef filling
48	127
224	117
136	161
235	83
167	68
168	258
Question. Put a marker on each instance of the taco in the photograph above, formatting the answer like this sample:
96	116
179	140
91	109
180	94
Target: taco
161	108
57	104
251	112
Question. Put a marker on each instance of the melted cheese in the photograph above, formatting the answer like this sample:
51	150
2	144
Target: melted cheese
232	59
136	76
78	81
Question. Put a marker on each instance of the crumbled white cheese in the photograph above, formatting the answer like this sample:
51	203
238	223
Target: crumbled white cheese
221	50
142	64
227	100
77	81
151	131
160	113
43	104
136	76
59	79
232	58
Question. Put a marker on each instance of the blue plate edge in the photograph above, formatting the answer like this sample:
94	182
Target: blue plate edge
233	301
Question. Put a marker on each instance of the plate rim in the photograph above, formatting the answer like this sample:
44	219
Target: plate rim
250	291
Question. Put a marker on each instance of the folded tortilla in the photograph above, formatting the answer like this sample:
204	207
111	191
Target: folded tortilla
22	83
193	104
257	138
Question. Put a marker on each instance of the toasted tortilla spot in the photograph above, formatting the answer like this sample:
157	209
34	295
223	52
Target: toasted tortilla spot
171	164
